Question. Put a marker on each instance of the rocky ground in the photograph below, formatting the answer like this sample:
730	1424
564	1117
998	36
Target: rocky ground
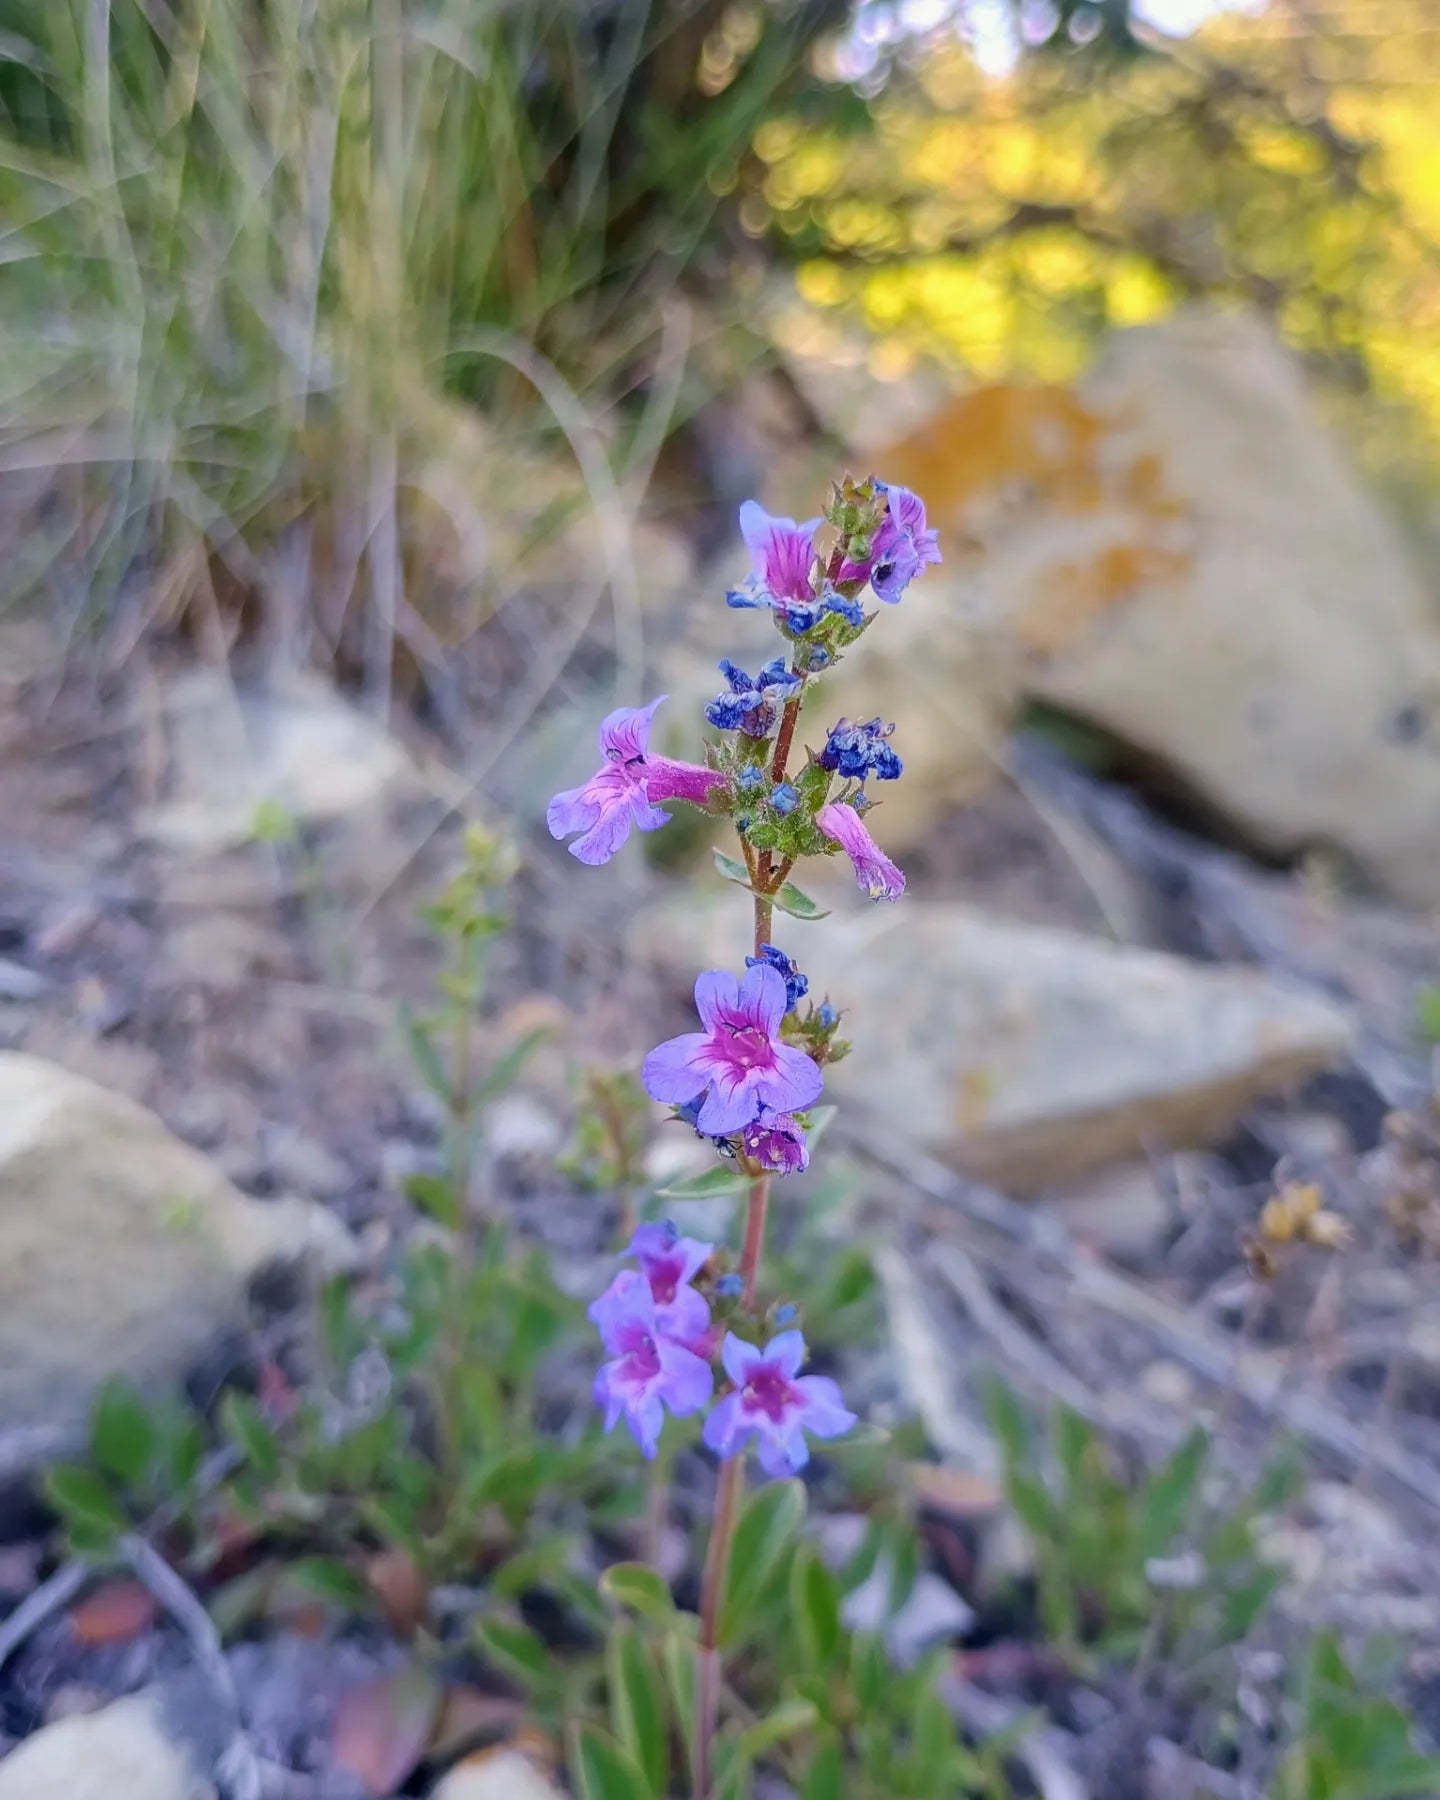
1112	1019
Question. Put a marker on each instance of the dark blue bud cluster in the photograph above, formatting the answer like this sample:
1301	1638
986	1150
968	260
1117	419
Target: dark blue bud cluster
858	751
751	703
796	984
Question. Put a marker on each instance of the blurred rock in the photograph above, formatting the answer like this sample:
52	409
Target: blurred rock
1028	1055
120	1753
499	1774
122	1249
1177	552
1122	1211
296	748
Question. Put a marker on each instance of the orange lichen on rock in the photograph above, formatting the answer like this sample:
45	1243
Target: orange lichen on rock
1003	456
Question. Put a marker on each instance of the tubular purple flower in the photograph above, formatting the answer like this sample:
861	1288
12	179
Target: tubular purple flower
648	1371
875	874
738	1061
782	554
777	1143
623	790
903	546
773	1403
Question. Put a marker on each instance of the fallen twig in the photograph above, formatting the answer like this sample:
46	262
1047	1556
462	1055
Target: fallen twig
50	1597
1260	1380
243	1773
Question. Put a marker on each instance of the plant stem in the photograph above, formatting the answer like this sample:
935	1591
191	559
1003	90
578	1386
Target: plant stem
755	1215
712	1589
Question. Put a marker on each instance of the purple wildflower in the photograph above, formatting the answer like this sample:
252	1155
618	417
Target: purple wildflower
648	1370
903	546
737	1061
797	986
777	1142
857	751
773	1403
782	554
670	1263
623	791
875	874
752	703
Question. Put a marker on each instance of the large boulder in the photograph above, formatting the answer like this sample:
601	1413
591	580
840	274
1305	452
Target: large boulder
122	1250
1178	552
1027	1055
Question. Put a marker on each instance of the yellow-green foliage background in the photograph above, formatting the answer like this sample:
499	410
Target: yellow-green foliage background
1290	161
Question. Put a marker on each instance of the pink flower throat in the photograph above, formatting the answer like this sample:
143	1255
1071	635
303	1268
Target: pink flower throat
767	1391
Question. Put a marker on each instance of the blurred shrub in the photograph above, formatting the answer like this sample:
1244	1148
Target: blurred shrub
255	253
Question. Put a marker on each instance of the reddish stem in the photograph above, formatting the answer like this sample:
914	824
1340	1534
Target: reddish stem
755	1215
712	1589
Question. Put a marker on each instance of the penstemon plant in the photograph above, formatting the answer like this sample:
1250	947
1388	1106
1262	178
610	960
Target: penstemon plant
747	1079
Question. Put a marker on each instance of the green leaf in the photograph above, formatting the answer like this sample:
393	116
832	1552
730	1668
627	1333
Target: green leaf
637	1705
1168	1494
435	1197
766	1528
734	1776
1427	1012
678	1654
89	1508
788	1720
515	1651
1007	1421
790	900
242	1423
722	1179
330	1579
815	1605
825	1778
123	1436
639	1588
732	870
502	1072
601	1770
426	1057
1072	1437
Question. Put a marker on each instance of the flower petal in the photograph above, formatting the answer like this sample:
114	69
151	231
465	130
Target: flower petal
787	1455
793	1083
733	1100
761	998
625	733
724	1427
646	1420
717	997
739	1358
574	810
606	835
787	1352
688	1381
826	1413
673	1071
